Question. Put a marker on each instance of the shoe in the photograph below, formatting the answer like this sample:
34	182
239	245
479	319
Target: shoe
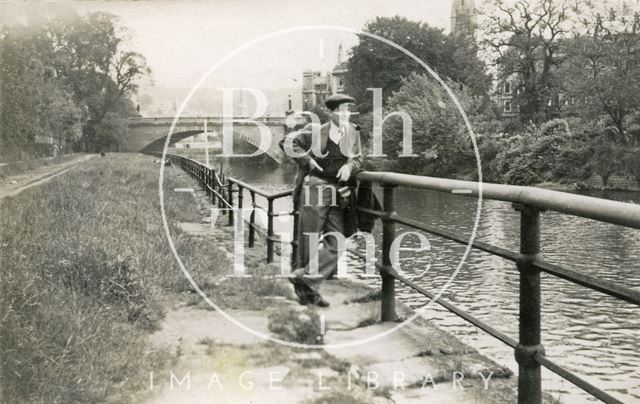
303	292
320	301
303	297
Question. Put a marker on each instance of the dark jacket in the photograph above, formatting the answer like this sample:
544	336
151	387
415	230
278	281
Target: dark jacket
361	193
367	199
300	143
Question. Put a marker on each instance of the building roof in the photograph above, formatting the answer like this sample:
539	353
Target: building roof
341	67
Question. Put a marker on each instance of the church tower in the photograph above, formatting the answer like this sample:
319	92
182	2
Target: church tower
463	17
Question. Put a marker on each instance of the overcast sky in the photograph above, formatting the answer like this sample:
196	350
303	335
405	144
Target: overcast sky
183	39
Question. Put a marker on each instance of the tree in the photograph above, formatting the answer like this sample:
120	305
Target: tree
101	74
524	39
64	118
557	151
59	74
84	55
35	107
111	131
373	64
632	164
606	160
602	70
440	141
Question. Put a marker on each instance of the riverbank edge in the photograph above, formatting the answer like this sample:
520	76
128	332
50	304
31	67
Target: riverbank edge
580	187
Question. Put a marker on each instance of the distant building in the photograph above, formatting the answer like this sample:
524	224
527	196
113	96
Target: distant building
339	73
463	17
316	86
48	145
464	22
503	95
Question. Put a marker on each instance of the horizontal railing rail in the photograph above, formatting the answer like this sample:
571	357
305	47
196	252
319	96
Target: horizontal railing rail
530	201
600	285
604	210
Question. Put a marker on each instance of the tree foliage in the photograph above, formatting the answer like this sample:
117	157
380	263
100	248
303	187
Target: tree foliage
374	64
552	152
524	40
440	140
575	59
601	73
60	77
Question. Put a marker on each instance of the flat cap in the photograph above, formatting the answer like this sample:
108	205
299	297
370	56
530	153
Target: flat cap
336	100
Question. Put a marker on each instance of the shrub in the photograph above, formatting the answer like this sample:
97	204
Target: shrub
301	325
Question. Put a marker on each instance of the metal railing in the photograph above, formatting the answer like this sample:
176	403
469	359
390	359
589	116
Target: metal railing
221	190
529	201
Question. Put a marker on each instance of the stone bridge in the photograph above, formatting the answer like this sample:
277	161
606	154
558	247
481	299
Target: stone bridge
149	134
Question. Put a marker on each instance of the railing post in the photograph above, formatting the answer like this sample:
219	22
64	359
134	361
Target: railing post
230	201
208	182
252	220
388	304
221	194
529	378
240	197
294	241
214	186
270	230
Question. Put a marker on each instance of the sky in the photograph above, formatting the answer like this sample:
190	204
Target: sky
182	40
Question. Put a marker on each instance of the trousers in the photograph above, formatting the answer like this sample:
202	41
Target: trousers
319	213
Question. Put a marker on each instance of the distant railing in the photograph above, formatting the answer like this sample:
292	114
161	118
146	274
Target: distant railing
221	190
530	201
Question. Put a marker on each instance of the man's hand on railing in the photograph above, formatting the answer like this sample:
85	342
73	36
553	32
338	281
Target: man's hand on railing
344	173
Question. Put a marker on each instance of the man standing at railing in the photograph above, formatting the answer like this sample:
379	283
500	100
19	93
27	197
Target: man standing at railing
319	194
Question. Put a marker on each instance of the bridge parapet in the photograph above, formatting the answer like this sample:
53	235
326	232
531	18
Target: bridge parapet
211	120
149	133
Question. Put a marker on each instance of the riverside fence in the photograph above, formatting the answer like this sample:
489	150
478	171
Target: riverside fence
529	201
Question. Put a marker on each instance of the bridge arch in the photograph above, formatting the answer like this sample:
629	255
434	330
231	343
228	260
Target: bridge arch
149	134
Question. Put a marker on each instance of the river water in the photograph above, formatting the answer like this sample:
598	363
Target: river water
589	333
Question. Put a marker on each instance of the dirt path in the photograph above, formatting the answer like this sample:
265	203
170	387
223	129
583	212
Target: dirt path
12	186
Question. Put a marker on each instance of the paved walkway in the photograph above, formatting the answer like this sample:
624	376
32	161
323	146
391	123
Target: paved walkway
418	363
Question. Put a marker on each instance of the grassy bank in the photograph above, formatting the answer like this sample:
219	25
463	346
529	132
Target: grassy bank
86	270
